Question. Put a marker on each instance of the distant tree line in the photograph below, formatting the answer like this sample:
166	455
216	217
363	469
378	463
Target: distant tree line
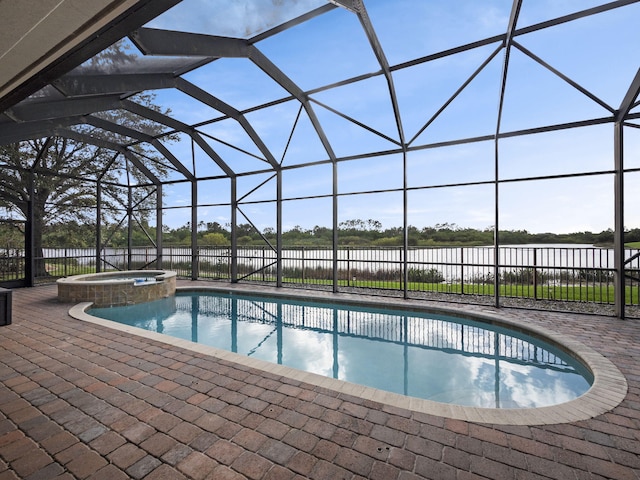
350	233
370	233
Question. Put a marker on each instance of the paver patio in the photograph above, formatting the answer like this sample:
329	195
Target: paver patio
79	400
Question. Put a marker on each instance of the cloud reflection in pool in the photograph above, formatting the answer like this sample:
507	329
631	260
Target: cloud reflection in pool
429	356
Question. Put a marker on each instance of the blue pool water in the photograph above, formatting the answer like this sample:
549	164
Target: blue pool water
430	356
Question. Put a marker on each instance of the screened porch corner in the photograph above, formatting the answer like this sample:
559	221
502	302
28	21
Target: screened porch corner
319	148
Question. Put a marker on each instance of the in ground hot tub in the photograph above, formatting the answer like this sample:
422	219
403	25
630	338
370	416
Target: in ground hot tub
117	288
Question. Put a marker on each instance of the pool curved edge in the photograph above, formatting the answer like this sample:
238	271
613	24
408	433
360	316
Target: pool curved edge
608	390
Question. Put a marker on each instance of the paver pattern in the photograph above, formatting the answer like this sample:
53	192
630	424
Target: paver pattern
80	401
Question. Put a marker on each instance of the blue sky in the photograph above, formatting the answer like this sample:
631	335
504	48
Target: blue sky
599	53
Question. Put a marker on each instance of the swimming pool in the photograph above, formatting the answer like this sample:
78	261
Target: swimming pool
430	356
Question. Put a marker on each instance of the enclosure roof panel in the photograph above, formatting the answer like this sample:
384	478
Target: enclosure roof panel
141	65
237	19
278	84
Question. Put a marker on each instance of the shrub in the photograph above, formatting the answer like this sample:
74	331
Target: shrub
595	275
432	275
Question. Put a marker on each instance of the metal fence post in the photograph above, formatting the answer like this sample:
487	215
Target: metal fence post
404	279
535	273
348	266
195	262
462	270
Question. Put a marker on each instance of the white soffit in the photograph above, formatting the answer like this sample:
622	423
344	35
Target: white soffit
35	33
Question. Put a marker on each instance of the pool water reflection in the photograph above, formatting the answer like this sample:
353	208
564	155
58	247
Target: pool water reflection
429	356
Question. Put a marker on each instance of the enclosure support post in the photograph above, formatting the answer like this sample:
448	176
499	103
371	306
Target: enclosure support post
129	226
159	248
496	235
513	21
234	231
29	251
627	104
405	223
618	239
279	228
98	227
194	231
334	241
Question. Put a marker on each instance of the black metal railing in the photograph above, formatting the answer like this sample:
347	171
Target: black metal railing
557	273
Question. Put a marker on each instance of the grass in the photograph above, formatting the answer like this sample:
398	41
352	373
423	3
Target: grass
591	292
57	270
575	293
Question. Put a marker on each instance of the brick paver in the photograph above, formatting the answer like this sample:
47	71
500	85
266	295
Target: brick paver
81	401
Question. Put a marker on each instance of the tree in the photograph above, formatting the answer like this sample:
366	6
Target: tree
56	170
215	239
215	227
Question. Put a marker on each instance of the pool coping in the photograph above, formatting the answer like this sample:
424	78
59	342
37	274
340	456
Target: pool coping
608	390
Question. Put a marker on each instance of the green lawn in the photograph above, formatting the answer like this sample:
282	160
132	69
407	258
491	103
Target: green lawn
577	293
